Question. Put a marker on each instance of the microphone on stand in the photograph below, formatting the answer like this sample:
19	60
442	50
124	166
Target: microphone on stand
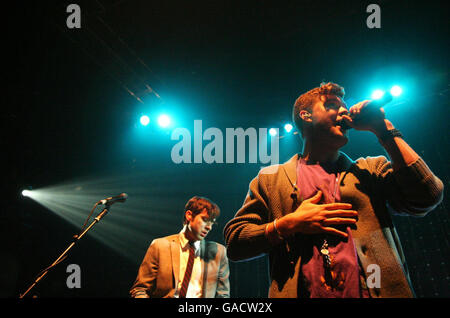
111	200
372	105
107	202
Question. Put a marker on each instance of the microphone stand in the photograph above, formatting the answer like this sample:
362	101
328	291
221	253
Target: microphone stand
64	254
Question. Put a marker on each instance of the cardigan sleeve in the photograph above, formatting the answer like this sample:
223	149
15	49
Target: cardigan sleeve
412	190
245	233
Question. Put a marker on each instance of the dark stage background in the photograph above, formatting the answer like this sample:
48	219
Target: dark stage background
72	100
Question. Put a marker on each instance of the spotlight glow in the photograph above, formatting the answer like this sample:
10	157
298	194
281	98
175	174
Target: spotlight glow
127	226
26	193
145	120
377	94
288	128
273	132
396	90
164	121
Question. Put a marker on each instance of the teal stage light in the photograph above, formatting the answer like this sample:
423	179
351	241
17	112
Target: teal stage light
164	121
145	120
288	128
272	132
396	90
377	94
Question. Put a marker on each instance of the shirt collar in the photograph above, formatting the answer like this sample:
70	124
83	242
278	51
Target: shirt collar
184	241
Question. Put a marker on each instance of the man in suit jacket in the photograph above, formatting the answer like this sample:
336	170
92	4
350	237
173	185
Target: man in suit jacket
163	272
323	218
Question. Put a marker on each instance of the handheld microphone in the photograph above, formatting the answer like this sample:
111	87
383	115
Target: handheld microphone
372	105
111	200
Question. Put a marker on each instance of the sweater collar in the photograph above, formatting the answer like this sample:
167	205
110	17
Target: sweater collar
290	167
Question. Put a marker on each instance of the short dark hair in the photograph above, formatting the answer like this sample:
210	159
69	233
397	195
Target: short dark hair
308	99
197	204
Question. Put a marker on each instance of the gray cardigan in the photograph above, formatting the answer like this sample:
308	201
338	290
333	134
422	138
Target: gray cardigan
374	190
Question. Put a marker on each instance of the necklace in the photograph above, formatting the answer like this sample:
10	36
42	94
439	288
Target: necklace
324	249
327	258
328	280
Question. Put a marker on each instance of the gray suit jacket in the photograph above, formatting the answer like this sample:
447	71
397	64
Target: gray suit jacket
158	274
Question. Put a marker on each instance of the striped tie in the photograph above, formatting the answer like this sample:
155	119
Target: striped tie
187	273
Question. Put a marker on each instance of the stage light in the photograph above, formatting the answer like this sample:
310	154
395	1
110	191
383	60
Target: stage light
377	94
145	120
272	132
288	128
127	226
26	193
396	90
164	121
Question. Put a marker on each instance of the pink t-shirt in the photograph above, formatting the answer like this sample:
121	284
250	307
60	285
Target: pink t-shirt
342	277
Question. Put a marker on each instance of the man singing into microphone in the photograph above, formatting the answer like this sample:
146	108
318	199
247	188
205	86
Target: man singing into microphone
324	219
184	265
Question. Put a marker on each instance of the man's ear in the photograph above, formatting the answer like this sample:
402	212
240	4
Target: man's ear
305	115
188	216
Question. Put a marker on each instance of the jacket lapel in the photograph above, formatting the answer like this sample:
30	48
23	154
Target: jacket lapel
175	255
290	168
